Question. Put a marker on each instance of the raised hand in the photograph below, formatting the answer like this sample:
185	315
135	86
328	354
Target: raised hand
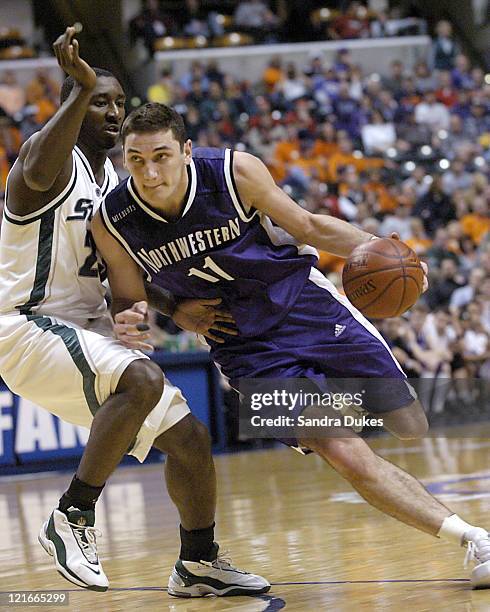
66	49
203	317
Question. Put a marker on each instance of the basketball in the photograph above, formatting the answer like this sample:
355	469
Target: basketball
383	278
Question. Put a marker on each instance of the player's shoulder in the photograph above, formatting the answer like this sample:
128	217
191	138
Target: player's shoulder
120	194
207	153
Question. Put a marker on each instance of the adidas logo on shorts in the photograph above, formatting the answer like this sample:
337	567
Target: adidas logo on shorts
338	330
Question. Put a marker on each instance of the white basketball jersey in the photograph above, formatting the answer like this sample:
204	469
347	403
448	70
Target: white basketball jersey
48	263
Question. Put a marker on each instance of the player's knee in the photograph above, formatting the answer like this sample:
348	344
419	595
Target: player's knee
350	457
408	423
143	383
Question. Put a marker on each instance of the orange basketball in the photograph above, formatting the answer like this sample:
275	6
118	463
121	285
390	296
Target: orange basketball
383	278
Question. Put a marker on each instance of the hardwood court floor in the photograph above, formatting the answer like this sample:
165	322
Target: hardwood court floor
280	514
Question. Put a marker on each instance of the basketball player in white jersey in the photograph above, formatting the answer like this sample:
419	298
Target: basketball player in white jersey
57	349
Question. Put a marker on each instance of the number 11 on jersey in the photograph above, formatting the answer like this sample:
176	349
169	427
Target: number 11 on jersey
211	265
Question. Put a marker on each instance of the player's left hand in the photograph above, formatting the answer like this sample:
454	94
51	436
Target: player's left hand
425	267
204	317
131	329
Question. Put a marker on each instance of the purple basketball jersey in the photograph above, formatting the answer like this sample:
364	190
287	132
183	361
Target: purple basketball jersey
217	247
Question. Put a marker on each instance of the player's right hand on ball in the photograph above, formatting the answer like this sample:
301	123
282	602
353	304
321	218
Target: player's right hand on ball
66	49
131	329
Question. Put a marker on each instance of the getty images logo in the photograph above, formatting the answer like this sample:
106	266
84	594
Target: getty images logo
339	329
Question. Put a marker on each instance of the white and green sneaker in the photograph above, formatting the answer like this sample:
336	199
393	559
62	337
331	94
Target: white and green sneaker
218	577
71	539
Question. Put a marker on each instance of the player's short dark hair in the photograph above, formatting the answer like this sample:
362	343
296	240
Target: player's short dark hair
69	82
154	117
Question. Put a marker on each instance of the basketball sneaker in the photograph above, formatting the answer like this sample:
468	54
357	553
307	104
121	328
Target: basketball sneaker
478	553
218	577
71	539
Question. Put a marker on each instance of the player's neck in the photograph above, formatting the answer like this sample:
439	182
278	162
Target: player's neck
173	205
96	159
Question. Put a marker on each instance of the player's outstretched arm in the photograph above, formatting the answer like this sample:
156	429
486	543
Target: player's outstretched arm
45	159
257	188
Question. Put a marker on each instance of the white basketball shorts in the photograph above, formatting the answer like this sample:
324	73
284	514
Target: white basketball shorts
71	370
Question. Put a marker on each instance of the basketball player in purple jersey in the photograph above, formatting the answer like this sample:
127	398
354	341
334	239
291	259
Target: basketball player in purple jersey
201	224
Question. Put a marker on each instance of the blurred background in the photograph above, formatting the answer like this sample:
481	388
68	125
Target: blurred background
376	112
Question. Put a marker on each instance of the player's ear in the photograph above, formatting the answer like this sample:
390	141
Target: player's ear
124	156
187	151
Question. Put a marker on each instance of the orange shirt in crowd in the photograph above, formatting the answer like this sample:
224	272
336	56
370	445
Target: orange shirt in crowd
387	203
284	152
330	263
347	159
419	245
285	149
475	226
327	149
271	77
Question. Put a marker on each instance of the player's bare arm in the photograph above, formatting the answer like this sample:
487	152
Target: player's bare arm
258	189
44	165
129	300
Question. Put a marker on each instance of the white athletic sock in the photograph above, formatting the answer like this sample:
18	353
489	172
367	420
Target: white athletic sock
453	529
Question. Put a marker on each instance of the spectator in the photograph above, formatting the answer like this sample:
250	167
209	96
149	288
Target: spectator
344	157
456	178
161	91
432	113
293	86
435	208
419	181
199	21
444	48
411	134
442	287
150	25
424	80
440	249
196	72
478	121
346	110
43	92
399	222
273	74
461	73
464	295
476	224
378	135
12	95
418	240
352	24
394	82
462	108
445	93
255	16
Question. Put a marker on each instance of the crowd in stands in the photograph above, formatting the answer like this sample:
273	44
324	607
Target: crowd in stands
407	152
266	21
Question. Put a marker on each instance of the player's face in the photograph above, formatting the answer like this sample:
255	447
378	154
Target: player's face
105	114
157	165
